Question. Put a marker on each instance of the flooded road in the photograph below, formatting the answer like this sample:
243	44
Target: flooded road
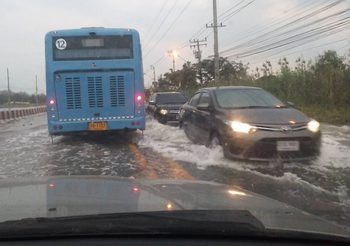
320	187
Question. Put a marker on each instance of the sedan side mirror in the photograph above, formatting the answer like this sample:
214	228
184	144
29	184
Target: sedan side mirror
203	106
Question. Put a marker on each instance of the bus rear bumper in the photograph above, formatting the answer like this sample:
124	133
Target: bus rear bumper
61	128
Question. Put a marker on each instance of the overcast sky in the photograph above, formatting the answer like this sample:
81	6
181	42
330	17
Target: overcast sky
163	24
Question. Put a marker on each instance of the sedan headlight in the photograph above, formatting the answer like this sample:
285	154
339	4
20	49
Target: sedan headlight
241	127
163	111
313	126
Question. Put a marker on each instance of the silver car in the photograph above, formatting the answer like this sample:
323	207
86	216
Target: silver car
250	123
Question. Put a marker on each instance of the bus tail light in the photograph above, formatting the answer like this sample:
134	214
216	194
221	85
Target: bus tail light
139	102
139	98
135	190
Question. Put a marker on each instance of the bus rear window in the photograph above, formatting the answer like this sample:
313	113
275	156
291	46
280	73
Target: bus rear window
92	48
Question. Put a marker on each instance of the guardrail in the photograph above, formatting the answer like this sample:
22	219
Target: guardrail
14	113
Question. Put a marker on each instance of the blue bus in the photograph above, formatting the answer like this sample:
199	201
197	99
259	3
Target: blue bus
94	80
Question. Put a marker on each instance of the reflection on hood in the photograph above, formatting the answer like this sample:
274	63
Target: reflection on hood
89	195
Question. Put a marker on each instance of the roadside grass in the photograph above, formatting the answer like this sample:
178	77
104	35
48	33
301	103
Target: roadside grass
338	116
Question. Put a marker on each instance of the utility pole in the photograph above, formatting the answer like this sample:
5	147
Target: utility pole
8	91
196	43
154	73
154	82
215	26
36	90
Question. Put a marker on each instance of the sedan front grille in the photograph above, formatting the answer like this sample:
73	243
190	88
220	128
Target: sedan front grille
281	128
267	148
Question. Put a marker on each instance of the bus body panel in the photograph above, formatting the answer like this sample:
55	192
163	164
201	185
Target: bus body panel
93	90
95	94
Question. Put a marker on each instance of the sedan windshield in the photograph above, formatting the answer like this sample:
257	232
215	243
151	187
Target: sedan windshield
171	98
246	98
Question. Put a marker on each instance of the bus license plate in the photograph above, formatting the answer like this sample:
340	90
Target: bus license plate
97	126
287	145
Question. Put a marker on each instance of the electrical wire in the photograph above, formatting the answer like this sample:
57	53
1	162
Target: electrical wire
152	25
253	31
169	28
290	23
274	57
288	32
325	30
227	17
158	28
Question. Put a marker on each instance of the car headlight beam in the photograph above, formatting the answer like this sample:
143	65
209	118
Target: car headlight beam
163	111
313	126
241	127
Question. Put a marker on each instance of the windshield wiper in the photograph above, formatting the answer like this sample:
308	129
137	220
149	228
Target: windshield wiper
232	223
189	222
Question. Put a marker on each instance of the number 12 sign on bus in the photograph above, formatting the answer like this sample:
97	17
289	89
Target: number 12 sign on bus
94	80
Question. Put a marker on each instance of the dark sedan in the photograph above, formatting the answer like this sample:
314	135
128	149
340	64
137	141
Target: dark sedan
165	106
250	123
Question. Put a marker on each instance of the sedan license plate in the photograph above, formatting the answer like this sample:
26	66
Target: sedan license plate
287	145
174	111
98	126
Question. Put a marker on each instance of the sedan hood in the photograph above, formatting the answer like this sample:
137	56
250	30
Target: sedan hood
89	195
267	115
170	106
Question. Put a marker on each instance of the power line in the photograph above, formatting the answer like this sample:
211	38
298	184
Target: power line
227	11
170	27
265	36
160	24
229	16
155	19
325	30
273	57
301	27
277	21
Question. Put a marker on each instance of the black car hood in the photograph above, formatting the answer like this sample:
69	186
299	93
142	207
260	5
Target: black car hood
170	106
89	195
267	115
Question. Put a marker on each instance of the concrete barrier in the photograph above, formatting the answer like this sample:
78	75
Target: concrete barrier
14	113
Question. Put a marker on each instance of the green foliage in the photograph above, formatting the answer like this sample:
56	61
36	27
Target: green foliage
333	115
21	97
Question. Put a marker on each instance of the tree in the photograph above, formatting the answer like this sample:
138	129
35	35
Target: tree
267	68
231	72
329	70
182	79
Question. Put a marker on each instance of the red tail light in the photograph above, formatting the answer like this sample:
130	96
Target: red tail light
52	102
138	98
135	189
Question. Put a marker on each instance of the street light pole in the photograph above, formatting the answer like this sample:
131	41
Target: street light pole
173	54
173	64
154	73
36	90
8	91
